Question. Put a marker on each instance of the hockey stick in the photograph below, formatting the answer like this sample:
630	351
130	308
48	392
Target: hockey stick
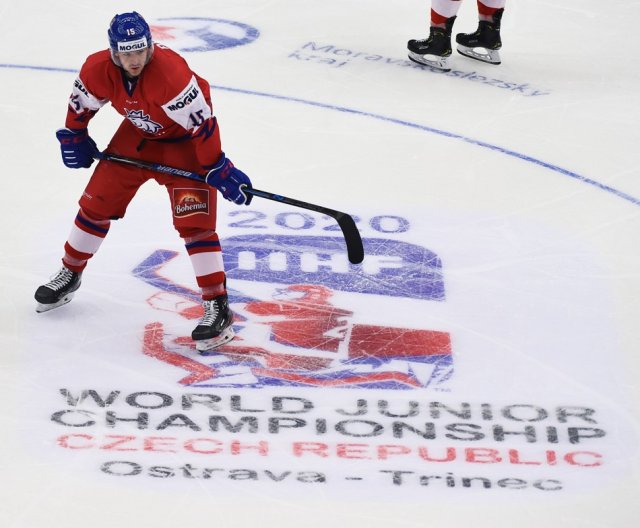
355	250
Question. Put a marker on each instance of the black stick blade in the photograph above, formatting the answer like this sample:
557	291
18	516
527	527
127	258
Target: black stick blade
355	249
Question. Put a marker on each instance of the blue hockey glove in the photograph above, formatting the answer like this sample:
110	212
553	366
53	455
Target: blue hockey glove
77	148
230	181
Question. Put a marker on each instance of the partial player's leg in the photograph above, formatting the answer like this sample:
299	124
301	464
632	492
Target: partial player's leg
214	329
106	197
87	234
194	217
485	42
58	291
435	50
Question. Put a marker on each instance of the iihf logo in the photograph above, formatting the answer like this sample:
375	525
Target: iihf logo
299	335
198	34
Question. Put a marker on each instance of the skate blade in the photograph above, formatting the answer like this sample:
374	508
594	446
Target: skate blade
433	61
40	308
488	56
209	344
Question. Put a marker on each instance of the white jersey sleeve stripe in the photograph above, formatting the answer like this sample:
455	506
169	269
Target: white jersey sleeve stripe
81	100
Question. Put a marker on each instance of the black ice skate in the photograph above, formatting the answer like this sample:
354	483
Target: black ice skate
58	291
214	329
435	50
484	43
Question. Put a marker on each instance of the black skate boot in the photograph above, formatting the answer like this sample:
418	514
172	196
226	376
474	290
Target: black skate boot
58	291
484	43
435	50
214	329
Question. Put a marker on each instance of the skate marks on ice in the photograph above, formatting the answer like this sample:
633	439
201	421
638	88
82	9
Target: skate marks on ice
529	405
444	304
380	381
562	171
344	57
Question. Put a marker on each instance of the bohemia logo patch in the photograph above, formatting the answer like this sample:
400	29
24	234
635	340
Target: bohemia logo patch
187	202
202	34
301	336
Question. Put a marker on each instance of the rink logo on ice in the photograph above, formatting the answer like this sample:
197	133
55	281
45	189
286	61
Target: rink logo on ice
198	34
301	334
336	56
188	202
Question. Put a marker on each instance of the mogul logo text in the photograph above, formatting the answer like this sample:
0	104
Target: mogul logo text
185	99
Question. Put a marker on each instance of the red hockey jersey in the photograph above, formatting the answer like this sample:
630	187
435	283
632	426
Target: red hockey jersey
167	102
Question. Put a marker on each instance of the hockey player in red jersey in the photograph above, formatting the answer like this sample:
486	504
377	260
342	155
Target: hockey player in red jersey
483	44
168	119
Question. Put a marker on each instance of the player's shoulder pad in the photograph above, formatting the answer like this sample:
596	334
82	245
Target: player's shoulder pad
168	69
98	61
91	87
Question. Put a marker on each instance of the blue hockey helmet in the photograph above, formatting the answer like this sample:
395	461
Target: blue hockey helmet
129	32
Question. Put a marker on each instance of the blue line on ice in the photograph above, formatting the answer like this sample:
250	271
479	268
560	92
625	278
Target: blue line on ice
431	130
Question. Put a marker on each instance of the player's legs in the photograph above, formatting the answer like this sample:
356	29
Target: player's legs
435	50
443	10
194	210
483	44
488	8
105	198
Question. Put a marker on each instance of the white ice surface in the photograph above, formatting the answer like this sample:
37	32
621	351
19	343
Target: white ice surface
530	196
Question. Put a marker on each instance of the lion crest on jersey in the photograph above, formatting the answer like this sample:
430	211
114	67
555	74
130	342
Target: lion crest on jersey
142	121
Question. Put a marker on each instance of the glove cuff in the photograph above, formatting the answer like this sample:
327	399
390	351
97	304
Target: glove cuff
220	163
